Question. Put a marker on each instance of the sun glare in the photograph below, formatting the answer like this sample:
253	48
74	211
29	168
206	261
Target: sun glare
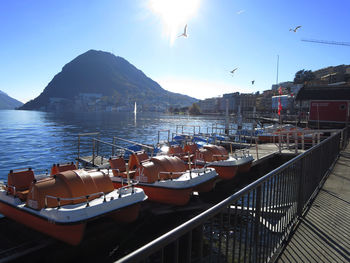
174	14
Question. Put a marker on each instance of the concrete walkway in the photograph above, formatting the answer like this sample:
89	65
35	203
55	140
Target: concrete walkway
324	232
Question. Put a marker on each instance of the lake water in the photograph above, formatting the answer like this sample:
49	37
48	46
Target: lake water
39	139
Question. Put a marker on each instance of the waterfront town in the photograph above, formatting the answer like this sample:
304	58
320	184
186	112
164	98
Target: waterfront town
263	102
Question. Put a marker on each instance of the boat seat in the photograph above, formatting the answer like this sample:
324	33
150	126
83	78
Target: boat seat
190	148
58	168
118	166
19	181
136	159
176	150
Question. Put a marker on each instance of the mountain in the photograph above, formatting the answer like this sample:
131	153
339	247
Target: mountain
8	103
98	80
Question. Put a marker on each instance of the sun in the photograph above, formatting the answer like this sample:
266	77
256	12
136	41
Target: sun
174	15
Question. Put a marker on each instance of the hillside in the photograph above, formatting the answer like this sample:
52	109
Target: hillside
98	80
8	103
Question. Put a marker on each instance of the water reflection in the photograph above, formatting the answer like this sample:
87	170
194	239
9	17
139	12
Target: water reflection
39	139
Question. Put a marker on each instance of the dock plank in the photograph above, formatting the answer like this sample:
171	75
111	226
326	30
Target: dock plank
323	233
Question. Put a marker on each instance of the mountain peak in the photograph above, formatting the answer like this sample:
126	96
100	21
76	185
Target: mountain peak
8	103
113	78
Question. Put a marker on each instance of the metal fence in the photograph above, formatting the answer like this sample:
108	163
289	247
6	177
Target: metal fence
253	224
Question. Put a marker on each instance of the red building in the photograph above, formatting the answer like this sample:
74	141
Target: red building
329	105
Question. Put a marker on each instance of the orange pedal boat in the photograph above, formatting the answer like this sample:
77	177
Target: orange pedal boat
225	164
165	179
62	204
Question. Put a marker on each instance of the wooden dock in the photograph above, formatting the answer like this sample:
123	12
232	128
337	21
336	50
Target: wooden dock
323	234
260	153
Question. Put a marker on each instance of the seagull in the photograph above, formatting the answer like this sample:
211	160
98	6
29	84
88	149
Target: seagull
184	34
295	29
233	71
240	12
253	82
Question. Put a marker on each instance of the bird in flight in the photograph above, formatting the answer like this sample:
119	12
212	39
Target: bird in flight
240	12
253	81
295	29
233	71
184	34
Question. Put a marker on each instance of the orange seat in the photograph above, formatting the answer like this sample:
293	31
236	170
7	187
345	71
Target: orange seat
118	166
136	159
176	150
18	182
191	148
58	168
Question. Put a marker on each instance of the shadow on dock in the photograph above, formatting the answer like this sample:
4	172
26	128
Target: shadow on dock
323	232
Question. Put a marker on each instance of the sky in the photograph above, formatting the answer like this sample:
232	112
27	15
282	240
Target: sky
37	38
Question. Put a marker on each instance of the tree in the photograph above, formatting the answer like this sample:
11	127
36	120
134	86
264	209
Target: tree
303	75
194	109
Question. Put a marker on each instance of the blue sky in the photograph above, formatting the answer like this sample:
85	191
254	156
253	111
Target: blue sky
39	37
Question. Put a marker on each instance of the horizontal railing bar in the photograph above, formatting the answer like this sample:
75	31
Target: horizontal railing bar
88	134
133	142
114	145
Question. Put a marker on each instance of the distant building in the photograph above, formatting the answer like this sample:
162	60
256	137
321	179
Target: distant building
244	101
287	102
330	75
210	105
247	102
329	105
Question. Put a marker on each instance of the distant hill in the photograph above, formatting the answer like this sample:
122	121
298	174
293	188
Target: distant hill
98	80
8	103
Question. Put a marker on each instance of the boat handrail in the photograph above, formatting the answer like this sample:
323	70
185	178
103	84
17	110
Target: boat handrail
75	198
221	155
22	169
133	142
171	173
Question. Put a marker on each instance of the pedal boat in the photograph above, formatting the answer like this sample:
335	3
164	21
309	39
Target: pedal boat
225	164
164	179
61	205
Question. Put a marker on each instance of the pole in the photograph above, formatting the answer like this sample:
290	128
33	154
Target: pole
278	59
226	119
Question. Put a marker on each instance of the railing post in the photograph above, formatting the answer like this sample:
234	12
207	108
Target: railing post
78	146
93	152
300	204
256	249
302	141
280	142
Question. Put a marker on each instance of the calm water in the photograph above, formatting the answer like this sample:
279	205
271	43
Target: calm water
39	139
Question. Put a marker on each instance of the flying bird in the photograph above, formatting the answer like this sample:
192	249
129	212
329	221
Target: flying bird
253	81
240	12
295	29
184	34
233	71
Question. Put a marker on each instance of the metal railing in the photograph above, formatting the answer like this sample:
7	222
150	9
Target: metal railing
85	135
252	224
